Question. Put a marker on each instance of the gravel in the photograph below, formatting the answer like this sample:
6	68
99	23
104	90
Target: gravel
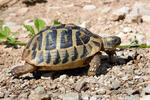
127	79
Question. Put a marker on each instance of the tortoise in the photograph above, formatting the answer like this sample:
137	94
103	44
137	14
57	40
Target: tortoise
66	46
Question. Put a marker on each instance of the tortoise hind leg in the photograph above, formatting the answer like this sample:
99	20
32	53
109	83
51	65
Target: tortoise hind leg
94	64
20	70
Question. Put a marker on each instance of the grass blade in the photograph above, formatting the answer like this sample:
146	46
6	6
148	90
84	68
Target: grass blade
1	22
30	29
7	30
2	35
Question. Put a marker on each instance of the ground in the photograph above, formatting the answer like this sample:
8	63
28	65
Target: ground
127	79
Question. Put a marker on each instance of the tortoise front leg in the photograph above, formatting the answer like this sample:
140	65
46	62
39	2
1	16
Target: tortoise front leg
111	55
94	64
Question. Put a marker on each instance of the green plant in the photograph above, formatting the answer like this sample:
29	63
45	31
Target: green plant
39	24
6	34
56	22
134	42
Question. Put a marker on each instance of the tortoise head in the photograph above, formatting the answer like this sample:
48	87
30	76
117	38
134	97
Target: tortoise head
111	42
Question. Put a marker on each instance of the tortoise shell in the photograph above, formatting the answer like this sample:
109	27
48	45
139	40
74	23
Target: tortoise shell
62	46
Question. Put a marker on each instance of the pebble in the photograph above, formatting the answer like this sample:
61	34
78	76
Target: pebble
133	97
143	8
89	7
147	90
140	38
146	18
28	22
120	13
106	10
62	77
127	30
1	94
39	90
140	11
95	97
39	93
102	91
146	97
54	7
22	11
85	96
70	96
115	84
79	85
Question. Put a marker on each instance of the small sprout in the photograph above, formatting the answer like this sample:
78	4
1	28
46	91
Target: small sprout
30	29
134	42
57	22
6	34
39	24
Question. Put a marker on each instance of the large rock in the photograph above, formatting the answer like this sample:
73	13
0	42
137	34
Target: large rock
139	9
39	93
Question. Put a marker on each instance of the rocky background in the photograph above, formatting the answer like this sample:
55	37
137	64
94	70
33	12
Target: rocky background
127	79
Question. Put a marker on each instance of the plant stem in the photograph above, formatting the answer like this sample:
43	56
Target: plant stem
137	46
16	43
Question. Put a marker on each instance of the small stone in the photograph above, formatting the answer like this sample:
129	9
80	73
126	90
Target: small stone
147	90
127	30
70	96
120	14
1	94
95	97
62	77
106	10
130	91
146	97
133	97
62	89
115	84
85	96
22	10
89	7
39	97
29	22
39	90
140	38
79	85
39	93
146	18
53	7
102	91
125	78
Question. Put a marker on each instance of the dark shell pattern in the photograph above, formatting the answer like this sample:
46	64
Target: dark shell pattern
61	44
